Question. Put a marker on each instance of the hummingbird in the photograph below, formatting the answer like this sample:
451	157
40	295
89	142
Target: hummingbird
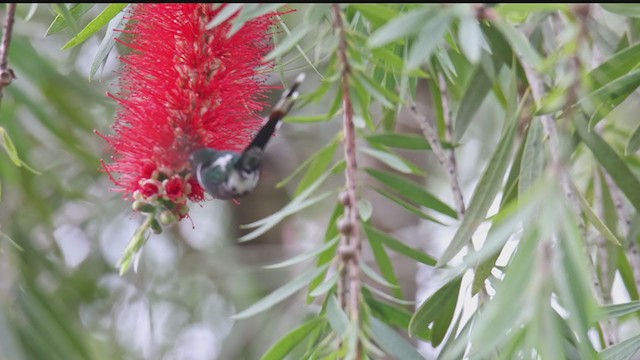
232	174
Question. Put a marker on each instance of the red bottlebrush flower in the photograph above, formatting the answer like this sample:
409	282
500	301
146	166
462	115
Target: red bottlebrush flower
174	188
184	87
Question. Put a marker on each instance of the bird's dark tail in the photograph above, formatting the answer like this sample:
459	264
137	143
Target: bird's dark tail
252	153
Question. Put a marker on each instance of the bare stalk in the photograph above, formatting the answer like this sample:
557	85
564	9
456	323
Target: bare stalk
349	285
6	74
447	160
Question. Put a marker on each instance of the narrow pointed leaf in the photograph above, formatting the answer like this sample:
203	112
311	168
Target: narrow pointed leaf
479	86
633	144
617	310
406	24
282	214
393	343
397	246
391	160
532	163
60	23
108	42
292	339
280	294
437	309
336	316
407	206
611	161
632	10
595	220
624	350
289	42
432	33
385	265
412	191
69	19
484	194
304	256
400	141
228	11
96	24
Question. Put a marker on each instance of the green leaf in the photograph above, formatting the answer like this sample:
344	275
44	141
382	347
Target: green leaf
631	10
394	315
373	275
365	209
477	89
250	12
386	97
613	68
337	318
611	161
108	42
224	14
627	275
320	153
609	96
406	24
398	246
32	11
393	343
518	42
60	23
471	39
64	12
318	166
624	350
413	191
325	286
437	309
431	35
385	265
617	310
484	194
10	149
633	144
507	8
595	220
378	14
391	160
309	118
406	205
401	141
573	288
289	42
96	24
293	204
292	339
304	256
329	254
280	294
290	209
532	164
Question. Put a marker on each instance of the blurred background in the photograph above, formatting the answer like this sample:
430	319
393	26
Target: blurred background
63	232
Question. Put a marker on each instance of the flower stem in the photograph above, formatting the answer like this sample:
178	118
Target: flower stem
6	74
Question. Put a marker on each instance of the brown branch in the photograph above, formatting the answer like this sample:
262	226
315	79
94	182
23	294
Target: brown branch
6	74
448	161
349	285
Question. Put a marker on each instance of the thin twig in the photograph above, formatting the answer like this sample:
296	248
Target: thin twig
446	160
350	242
451	159
6	74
